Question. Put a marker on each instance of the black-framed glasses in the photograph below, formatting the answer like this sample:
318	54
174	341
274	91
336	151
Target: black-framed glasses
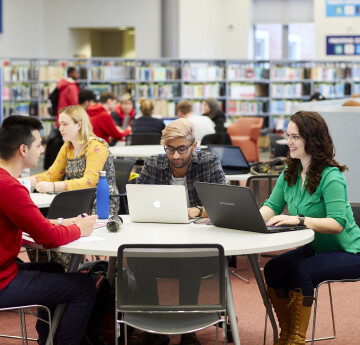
181	149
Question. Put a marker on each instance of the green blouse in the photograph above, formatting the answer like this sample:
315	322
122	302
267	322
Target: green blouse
330	200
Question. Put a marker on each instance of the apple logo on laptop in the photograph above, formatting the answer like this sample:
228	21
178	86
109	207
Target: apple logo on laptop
157	203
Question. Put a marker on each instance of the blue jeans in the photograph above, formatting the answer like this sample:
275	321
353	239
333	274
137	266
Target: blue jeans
303	268
46	283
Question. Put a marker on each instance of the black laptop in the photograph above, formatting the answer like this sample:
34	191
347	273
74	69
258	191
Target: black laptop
234	207
231	158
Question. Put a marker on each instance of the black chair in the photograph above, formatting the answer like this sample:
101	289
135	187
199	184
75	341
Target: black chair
143	139
172	297
72	203
123	168
216	139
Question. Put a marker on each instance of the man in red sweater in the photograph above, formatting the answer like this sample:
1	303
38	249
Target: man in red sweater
100	117
68	91
37	283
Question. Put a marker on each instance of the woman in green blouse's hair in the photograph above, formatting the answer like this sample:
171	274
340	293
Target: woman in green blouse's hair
314	189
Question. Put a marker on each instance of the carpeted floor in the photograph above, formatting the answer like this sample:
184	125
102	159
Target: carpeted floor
251	315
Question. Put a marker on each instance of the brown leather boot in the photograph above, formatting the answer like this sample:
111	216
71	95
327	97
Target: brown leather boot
279	298
300	311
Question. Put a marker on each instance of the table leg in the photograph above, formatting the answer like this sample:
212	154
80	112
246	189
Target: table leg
73	267
260	282
231	307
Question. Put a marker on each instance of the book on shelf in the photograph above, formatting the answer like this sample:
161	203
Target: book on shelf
203	72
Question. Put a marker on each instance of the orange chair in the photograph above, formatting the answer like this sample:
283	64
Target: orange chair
245	133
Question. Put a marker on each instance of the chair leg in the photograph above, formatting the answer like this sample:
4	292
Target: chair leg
241	277
314	319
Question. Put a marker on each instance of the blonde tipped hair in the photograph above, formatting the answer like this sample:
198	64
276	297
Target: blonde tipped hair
146	106
77	114
180	128
351	103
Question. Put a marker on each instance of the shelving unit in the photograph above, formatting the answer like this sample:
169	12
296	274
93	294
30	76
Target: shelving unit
243	87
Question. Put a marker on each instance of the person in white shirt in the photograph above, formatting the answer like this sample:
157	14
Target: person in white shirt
203	124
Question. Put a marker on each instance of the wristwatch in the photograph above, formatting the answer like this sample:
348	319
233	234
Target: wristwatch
302	219
60	220
201	209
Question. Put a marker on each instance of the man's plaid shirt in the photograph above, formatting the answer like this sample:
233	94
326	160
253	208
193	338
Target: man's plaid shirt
204	167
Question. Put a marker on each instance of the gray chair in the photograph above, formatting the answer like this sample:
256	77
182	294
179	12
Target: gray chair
261	187
143	139
162	289
123	168
23	310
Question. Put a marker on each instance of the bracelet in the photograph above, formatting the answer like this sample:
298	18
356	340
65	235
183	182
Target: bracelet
54	186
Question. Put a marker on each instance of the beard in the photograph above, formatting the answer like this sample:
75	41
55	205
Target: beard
180	163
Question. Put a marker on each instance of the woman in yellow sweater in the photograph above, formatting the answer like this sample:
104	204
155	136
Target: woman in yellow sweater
80	159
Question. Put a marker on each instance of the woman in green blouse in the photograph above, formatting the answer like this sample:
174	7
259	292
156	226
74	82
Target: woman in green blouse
314	188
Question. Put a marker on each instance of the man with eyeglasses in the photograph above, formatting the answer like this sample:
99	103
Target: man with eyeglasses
181	164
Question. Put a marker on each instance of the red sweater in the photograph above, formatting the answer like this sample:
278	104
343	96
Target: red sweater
121	115
103	125
18	213
68	94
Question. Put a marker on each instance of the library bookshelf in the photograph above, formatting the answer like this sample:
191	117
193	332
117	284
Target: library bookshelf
242	87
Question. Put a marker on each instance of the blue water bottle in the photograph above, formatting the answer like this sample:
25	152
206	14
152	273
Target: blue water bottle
102	197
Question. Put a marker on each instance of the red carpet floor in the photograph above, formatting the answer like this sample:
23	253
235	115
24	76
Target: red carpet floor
251	314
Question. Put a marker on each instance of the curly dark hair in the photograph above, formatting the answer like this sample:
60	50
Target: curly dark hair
318	144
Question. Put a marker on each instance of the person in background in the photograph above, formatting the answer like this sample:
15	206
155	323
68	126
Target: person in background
181	164
123	110
314	188
317	96
146	123
211	109
351	103
68	91
86	98
100	117
202	124
37	283
80	159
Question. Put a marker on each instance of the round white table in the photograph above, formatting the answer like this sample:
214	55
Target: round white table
235	242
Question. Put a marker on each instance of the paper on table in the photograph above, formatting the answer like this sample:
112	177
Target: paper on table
100	224
90	238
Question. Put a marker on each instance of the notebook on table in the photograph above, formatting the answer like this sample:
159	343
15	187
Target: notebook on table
232	159
157	203
234	207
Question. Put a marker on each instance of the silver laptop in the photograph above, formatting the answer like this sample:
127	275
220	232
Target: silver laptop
234	207
150	203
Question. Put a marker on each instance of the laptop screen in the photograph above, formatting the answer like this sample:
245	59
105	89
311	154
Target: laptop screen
167	120
230	156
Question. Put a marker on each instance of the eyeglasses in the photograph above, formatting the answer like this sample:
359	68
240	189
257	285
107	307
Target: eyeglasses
293	137
181	149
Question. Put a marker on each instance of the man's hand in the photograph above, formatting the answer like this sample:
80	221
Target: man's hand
45	187
86	224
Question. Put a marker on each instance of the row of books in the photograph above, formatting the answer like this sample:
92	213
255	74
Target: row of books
203	90
20	73
246	108
117	89
158	73
330	90
203	72
287	90
290	73
246	90
109	73
159	90
329	74
282	106
235	72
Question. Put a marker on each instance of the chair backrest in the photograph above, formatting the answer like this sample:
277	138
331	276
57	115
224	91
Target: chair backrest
261	186
123	168
356	212
143	139
167	278
216	139
72	203
244	126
